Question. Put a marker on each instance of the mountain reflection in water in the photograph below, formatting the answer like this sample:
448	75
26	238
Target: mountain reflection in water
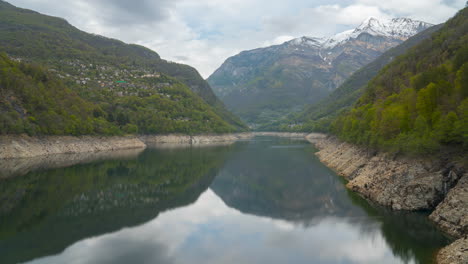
268	200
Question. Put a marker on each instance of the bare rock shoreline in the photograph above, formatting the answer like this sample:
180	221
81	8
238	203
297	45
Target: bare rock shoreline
405	184
22	146
27	147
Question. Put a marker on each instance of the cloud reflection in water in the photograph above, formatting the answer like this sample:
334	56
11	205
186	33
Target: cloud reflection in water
210	232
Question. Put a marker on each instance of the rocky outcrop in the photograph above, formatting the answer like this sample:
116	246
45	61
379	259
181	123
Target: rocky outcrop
455	253
452	214
23	146
177	140
281	134
153	140
400	183
27	147
403	183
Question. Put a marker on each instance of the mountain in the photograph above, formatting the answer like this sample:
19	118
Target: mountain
418	103
265	84
35	101
104	71
317	117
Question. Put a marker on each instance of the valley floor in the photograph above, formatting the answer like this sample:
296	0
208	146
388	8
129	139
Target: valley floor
405	184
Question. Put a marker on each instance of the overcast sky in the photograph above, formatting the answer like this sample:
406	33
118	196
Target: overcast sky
203	33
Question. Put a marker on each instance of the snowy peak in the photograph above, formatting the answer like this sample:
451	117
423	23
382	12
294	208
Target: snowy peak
397	27
400	28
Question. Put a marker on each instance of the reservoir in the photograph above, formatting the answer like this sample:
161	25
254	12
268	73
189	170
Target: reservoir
264	200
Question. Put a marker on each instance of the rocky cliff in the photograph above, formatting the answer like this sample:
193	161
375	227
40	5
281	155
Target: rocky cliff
404	183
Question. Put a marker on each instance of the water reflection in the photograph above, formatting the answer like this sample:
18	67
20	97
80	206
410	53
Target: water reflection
210	232
45	211
270	201
283	179
19	167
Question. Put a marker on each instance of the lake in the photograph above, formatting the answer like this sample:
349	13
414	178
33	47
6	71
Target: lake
265	200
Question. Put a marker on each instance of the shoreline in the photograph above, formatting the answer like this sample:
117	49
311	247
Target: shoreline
396	182
403	183
23	146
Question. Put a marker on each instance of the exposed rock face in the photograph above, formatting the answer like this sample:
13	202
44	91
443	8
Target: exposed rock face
405	184
455	253
400	183
27	147
452	214
281	134
195	140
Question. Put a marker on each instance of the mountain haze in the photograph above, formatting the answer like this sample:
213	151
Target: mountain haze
265	84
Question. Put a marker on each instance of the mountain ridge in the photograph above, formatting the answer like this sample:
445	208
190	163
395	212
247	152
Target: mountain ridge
264	84
395	27
317	117
109	74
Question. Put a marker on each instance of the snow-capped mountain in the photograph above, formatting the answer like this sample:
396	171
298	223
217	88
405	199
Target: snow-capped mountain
399	28
267	83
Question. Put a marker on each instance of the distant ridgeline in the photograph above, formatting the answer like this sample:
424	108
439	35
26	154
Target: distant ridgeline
56	79
318	116
264	85
418	103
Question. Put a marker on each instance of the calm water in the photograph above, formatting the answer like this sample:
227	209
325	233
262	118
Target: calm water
267	200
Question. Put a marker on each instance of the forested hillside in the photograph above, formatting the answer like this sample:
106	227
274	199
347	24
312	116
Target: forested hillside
418	103
36	102
114	75
318	116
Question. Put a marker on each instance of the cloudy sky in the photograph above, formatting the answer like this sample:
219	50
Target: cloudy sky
203	33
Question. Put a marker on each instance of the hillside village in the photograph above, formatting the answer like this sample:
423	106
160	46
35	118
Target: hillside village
117	81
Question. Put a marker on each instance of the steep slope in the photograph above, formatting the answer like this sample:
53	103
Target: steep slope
317	117
265	84
30	36
418	103
35	101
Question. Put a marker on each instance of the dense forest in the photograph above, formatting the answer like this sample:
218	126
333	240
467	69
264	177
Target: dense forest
118	87
418	103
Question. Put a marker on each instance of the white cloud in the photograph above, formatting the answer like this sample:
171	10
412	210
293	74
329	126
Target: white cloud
203	33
